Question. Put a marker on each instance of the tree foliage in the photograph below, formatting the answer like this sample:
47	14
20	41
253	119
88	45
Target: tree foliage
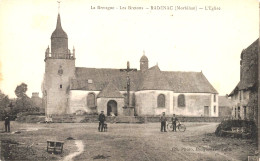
23	103
20	90
4	101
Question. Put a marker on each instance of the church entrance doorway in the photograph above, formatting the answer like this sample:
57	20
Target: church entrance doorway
111	108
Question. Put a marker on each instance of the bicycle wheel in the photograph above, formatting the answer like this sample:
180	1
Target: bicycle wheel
169	126
182	128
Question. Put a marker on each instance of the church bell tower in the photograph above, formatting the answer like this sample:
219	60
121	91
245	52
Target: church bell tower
144	63
59	70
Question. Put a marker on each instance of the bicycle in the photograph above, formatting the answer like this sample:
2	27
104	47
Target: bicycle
181	127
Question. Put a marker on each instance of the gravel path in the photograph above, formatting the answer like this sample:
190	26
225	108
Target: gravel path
80	146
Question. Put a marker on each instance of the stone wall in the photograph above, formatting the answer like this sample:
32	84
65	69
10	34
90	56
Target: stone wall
195	103
253	106
56	86
146	102
123	119
30	119
78	101
187	119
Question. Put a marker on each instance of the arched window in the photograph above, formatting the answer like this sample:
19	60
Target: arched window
161	100
91	101
181	100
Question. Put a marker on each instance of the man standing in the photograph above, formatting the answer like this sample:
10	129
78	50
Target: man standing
174	120
163	120
102	119
7	123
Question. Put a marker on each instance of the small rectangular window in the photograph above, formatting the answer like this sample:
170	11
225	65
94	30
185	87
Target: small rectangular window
214	109
60	85
214	98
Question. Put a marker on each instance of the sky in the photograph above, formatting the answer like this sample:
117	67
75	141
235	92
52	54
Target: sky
210	41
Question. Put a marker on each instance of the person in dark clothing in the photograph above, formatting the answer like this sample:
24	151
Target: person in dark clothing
7	123
102	119
174	120
163	120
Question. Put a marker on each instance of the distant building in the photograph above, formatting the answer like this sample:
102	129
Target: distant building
245	93
225	106
68	89
37	101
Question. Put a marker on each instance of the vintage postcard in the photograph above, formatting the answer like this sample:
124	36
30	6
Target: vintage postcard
129	80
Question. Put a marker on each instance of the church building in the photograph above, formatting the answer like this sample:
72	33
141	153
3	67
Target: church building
148	91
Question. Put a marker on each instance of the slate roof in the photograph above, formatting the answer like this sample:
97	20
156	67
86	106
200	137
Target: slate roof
144	59
249	66
235	89
249	70
110	91
59	32
101	77
189	82
152	79
223	101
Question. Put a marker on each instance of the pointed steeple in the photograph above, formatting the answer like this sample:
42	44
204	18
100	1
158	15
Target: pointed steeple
59	41
59	32
58	22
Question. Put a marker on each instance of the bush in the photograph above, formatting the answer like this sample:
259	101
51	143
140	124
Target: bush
226	125
12	117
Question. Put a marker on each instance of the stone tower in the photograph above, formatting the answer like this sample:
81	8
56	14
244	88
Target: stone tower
59	70
144	63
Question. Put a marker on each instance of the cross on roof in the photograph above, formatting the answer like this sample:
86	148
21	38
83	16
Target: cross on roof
128	69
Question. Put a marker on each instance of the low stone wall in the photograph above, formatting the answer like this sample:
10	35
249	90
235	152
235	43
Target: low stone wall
119	119
30	119
186	119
